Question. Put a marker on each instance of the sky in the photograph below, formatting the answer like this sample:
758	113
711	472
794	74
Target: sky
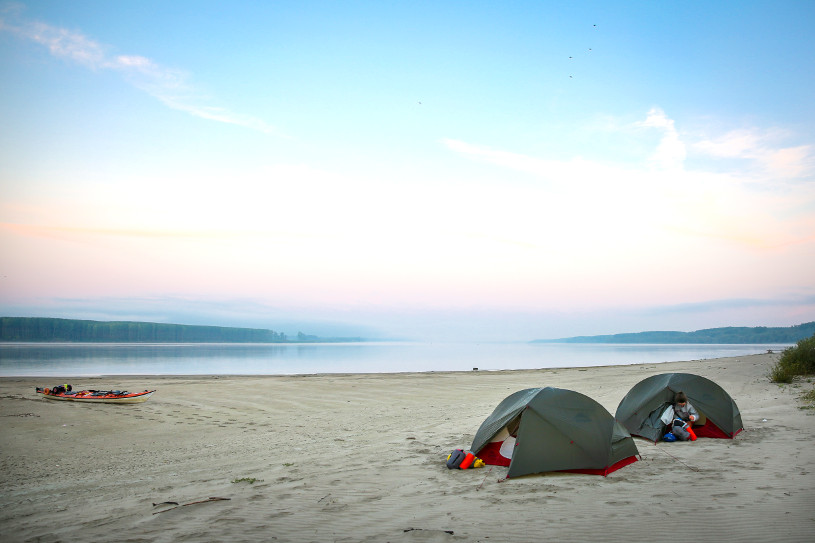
469	171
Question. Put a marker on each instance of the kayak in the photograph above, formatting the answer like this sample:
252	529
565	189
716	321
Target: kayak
96	396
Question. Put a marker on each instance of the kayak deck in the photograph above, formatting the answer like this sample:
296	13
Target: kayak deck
97	396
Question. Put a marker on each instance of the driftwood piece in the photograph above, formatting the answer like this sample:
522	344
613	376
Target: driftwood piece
212	499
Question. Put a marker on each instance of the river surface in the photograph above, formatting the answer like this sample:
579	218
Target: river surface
72	359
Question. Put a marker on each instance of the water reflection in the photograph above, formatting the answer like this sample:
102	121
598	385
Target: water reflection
71	359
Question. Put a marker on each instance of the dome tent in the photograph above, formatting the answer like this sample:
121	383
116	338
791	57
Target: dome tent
640	410
538	430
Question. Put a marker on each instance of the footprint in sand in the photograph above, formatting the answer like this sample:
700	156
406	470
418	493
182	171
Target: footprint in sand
724	495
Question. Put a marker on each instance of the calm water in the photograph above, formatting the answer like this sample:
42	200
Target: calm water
21	359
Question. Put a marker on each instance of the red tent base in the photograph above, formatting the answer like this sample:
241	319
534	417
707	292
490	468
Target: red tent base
490	455
711	430
605	471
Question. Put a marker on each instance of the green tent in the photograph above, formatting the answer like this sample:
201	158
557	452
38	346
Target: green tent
550	429
642	407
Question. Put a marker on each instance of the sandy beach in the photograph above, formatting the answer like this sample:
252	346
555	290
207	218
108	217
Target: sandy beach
361	458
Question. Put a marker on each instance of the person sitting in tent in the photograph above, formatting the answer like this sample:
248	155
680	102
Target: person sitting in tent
680	417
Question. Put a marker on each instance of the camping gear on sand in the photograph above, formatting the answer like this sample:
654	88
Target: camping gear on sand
64	393
641	409
683	430
550	429
460	459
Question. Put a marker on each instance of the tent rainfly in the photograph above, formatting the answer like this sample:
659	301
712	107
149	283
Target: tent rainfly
642	407
539	430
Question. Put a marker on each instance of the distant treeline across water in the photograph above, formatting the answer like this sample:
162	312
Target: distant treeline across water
727	335
70	330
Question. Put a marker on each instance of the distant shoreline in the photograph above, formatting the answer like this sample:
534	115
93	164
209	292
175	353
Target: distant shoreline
711	336
56	330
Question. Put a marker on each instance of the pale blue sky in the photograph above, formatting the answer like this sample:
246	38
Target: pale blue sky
472	169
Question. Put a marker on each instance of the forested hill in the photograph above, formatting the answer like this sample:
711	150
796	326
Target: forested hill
731	334
50	329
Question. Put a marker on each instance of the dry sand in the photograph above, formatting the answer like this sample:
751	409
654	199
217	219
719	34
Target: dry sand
361	458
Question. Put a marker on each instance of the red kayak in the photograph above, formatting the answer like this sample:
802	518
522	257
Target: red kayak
95	396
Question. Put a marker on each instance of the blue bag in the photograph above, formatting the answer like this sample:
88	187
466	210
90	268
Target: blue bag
669	437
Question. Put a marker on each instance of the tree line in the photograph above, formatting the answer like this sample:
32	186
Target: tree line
53	329
730	334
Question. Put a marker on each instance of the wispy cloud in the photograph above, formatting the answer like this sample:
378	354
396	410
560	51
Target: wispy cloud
748	155
763	149
67	231
669	154
671	151
231	236
507	159
708	306
759	154
735	204
169	85
552	170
